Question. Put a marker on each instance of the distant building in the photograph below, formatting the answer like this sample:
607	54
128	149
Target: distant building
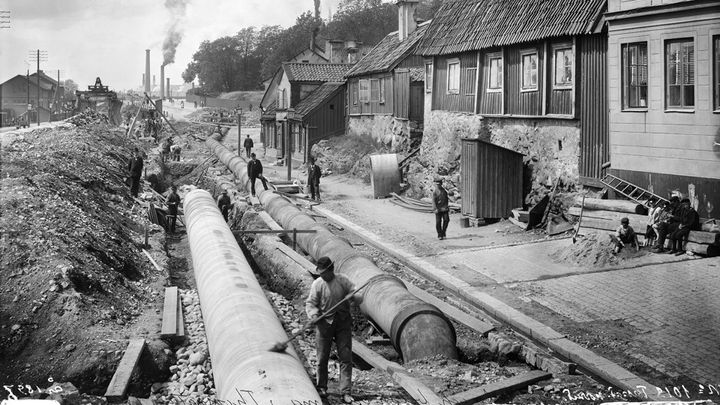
19	94
664	97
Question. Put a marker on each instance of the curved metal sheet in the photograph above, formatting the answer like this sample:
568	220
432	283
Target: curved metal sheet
385	175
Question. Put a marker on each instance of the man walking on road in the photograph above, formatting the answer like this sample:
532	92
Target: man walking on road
254	170
224	204
314	174
441	209
248	144
173	202
325	292
136	168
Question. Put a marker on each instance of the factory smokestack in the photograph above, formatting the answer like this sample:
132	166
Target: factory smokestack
167	88
142	83
162	81
147	71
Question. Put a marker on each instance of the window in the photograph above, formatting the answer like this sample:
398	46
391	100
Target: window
374	90
716	77
495	73
364	91
530	71
282	99
354	93
563	67
680	74
453	76
382	91
470	79
634	75
428	77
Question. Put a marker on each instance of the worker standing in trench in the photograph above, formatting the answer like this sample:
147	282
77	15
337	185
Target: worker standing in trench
325	292
441	208
135	167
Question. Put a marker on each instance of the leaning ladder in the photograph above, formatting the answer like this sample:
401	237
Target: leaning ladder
631	191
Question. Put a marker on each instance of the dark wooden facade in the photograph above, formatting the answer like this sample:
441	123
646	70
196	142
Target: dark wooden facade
464	99
371	106
593	106
492	179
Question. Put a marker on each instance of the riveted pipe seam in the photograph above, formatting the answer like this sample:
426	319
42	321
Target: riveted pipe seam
427	333
240	324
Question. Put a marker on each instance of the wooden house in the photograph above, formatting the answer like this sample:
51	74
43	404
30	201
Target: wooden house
21	90
292	84
385	87
664	97
533	70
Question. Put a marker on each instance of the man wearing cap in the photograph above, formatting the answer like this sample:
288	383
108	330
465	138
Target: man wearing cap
325	292
441	209
248	145
224	204
625	234
689	219
173	202
670	224
136	168
254	171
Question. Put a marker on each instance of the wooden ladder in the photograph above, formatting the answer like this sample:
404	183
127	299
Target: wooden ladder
632	191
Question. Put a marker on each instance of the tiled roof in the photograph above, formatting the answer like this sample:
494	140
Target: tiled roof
417	74
315	72
317	97
388	53
468	25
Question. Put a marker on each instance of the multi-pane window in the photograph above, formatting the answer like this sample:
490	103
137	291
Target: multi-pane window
716	76
428	77
381	99
495	74
470	79
634	75
453	76
563	67
364	90
354	93
530	71
680	73
374	90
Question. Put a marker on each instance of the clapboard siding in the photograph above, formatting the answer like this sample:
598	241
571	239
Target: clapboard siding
327	120
373	107
522	102
594	120
654	140
453	102
489	102
401	93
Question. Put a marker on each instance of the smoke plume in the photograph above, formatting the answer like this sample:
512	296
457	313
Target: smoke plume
174	34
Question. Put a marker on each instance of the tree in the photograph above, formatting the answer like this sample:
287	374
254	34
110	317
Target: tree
217	65
367	21
287	43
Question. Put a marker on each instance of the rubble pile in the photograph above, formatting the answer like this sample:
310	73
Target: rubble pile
88	117
595	250
192	375
345	154
70	262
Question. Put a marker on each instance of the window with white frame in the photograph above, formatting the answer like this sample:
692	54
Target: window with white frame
428	77
453	76
563	67
634	75
495	72
680	74
374	90
364	90
382	91
529	71
354	93
716	76
470	80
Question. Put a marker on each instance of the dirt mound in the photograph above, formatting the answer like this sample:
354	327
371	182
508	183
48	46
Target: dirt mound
594	250
345	154
70	259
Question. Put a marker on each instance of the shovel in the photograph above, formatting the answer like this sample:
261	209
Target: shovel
281	346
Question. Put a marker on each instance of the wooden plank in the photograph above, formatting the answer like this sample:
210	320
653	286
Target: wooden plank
169	319
447	309
416	389
495	389
608	205
180	318
154	263
637	221
705	250
119	383
146	401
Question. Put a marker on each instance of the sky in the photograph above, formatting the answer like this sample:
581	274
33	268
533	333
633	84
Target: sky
86	39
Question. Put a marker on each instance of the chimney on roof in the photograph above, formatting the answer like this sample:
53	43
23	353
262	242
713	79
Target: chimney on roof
406	17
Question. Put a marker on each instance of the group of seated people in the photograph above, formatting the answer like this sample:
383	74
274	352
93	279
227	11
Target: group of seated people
671	220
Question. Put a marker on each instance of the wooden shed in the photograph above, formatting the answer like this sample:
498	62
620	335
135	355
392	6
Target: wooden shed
492	179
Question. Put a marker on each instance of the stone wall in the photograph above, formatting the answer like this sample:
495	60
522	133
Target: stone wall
391	132
550	146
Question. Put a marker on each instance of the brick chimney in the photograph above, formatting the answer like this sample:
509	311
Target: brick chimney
162	81
406	17
147	71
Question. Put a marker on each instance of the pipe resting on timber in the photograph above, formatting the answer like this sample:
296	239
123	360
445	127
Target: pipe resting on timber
416	329
240	323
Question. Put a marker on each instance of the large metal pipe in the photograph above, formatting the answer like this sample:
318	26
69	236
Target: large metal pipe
240	323
417	329
147	71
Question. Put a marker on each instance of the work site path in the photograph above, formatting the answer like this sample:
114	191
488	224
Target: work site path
655	315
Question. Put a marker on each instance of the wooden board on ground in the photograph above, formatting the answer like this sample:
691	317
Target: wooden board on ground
636	221
119	383
629	207
180	319
169	319
481	327
495	389
416	389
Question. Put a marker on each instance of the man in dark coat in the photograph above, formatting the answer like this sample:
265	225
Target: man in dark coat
248	145
668	226
314	174
255	170
689	219
224	204
136	168
173	203
441	209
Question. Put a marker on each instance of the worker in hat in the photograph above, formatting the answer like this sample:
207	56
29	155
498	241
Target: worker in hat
136	168
255	171
326	291
689	220
625	234
173	203
669	225
224	204
441	209
248	145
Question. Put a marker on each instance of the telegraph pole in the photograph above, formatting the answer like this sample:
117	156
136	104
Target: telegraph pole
41	55
240	133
